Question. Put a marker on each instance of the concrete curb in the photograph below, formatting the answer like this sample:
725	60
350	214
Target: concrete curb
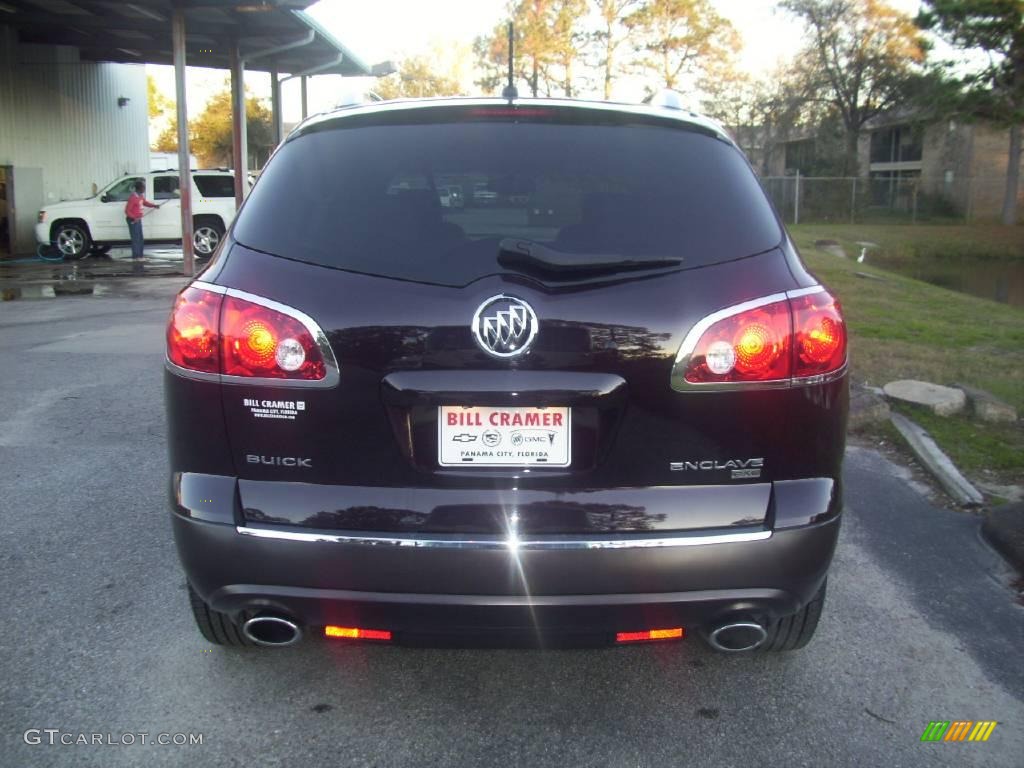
936	462
1003	528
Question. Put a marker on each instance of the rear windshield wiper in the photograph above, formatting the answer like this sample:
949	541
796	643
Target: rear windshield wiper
515	251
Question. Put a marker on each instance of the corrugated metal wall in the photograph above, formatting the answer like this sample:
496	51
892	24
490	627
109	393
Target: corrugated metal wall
61	115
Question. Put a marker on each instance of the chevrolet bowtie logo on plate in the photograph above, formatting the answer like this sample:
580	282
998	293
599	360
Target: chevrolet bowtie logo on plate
504	326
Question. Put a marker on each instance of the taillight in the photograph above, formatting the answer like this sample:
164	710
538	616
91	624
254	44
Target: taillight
775	341
262	342
750	346
819	335
214	330
192	339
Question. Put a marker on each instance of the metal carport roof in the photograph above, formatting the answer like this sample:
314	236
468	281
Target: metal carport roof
274	36
140	32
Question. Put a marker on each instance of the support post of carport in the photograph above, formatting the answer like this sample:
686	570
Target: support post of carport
305	99
239	144
275	105
184	167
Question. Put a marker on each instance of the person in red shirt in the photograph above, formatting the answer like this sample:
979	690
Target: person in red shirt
133	215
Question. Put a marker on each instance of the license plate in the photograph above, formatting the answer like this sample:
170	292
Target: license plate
503	437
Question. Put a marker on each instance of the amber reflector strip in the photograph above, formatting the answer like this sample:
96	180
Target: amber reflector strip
673	633
357	633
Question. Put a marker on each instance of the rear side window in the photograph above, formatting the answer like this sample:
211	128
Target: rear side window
432	202
165	188
215	186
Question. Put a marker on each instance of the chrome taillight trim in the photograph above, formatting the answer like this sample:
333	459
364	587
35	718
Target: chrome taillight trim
679	382
510	543
332	373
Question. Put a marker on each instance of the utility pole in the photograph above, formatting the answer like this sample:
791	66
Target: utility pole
184	165
796	199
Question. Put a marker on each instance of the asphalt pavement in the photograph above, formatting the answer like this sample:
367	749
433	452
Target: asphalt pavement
96	638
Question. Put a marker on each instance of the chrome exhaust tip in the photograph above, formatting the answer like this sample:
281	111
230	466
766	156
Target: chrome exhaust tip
276	631
737	637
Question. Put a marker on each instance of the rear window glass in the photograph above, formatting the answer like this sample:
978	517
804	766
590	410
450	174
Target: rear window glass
215	186
432	202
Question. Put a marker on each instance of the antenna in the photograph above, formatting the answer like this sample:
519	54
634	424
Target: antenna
510	91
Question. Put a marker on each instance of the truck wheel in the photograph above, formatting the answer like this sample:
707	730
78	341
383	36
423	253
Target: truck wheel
206	235
794	632
72	239
214	626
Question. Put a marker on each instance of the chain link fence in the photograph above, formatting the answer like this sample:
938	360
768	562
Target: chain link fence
880	199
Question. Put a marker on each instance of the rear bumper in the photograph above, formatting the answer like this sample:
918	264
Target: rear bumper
551	584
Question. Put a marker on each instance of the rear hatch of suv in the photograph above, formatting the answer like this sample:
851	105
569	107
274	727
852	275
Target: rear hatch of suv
514	355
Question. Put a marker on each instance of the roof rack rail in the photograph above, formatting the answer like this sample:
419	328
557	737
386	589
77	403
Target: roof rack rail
352	97
668	98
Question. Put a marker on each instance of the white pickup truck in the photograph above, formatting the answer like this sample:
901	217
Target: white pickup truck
96	224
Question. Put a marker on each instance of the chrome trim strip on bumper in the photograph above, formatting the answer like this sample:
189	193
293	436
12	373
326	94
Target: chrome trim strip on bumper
510	543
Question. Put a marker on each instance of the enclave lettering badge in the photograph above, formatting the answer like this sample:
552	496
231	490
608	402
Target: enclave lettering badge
741	469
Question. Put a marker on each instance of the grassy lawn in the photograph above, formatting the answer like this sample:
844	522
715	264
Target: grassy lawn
906	329
906	242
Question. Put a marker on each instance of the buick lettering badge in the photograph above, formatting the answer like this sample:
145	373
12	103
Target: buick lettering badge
504	326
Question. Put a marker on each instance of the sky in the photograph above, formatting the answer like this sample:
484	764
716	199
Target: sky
445	29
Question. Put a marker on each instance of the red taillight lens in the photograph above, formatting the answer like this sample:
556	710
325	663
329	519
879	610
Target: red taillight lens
672	633
214	332
357	633
262	342
780	341
749	346
192	331
820	335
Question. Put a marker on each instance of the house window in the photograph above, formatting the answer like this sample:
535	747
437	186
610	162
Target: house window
897	144
800	155
894	190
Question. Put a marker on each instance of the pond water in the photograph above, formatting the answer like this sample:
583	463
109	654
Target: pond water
1001	281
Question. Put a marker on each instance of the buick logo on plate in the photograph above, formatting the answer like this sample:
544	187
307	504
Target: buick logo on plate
504	326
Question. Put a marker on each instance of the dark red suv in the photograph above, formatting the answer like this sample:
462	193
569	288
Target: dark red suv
607	402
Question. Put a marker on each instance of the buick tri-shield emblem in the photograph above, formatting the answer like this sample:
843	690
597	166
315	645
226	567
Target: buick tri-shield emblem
504	326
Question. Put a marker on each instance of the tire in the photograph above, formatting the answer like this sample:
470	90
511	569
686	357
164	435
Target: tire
794	632
72	239
207	233
214	626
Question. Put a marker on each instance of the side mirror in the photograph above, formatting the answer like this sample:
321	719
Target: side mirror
105	198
